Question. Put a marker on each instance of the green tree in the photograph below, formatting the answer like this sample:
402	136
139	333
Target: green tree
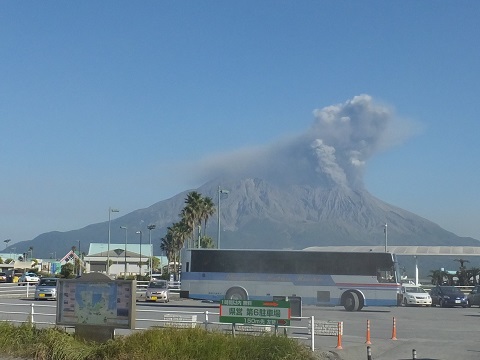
206	242
67	270
155	262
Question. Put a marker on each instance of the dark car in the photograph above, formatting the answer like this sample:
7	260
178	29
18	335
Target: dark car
474	297
448	296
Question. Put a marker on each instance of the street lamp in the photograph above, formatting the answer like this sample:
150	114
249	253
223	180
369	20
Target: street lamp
125	271
110	210
6	242
140	265
386	234
79	259
150	228
220	192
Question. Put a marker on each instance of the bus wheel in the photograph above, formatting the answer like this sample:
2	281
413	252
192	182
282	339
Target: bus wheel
236	294
351	302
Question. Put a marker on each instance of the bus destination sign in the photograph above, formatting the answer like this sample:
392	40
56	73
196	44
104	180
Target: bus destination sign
255	312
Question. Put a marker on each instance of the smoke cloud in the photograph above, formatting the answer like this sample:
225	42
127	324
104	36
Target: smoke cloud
332	152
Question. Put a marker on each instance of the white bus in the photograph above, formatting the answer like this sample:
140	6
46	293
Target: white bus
349	279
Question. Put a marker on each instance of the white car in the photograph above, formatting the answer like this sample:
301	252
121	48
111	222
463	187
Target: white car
415	295
28	278
157	290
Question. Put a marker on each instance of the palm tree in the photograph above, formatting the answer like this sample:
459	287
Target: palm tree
462	272
207	209
191	212
438	276
188	218
472	274
178	233
167	246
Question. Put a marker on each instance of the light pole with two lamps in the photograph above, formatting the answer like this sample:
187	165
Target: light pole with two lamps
220	192
150	228
125	271
110	211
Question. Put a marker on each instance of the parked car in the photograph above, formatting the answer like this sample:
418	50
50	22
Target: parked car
157	290
3	277
415	295
448	296
474	297
46	289
28	277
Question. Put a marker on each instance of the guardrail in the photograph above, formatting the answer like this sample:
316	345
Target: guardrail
45	315
17	290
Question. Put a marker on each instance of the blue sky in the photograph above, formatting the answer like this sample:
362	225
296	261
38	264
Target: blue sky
115	103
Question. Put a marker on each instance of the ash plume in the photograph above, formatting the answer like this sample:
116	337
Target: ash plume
332	152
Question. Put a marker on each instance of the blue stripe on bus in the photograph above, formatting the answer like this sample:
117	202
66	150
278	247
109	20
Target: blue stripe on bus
305	300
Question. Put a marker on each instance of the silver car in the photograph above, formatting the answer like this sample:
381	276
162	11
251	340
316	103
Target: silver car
46	289
157	290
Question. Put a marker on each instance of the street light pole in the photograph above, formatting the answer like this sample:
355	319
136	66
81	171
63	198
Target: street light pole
125	271
220	192
79	259
150	228
140	264
110	210
6	242
386	234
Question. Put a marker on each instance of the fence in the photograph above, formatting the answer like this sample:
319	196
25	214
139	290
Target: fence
44	315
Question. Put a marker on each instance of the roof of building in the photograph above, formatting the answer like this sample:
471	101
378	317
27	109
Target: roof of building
101	249
406	250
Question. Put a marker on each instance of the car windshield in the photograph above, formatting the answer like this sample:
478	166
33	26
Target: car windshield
30	274
451	290
48	282
414	289
158	285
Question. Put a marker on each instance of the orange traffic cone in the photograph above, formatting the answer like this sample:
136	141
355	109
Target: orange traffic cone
339	335
368	342
394	330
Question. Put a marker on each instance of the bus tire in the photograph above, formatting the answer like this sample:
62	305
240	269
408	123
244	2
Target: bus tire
351	301
236	293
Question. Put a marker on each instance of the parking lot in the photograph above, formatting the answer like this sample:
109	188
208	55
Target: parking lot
434	332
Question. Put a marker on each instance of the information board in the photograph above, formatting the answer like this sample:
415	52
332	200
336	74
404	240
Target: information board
101	303
255	312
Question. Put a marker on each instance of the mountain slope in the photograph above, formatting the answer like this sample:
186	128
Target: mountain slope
259	214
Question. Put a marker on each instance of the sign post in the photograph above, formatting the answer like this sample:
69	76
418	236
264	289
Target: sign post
255	312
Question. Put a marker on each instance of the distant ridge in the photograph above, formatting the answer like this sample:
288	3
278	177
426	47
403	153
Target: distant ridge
260	214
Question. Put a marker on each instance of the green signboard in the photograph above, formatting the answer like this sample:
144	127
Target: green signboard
255	312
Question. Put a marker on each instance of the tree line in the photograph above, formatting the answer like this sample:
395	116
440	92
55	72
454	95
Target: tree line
191	229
